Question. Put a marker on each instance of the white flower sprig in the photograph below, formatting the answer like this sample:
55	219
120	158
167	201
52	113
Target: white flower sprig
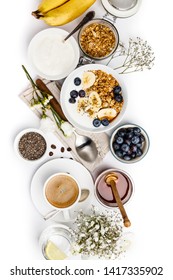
41	101
97	234
136	57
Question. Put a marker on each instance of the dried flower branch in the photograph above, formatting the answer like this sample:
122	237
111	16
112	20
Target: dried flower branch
98	234
138	56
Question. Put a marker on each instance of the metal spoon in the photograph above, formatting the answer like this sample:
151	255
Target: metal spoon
89	16
85	147
123	5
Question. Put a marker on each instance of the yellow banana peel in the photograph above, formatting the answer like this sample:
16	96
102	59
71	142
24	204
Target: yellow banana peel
47	5
60	12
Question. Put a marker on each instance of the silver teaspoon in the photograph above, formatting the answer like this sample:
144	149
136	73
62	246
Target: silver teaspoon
85	147
89	16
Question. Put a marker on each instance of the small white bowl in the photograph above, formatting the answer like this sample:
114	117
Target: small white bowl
51	57
145	145
17	140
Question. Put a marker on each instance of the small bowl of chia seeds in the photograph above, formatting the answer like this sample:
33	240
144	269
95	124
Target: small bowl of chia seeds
31	144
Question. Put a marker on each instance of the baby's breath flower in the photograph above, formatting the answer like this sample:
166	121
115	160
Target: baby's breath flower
138	56
97	234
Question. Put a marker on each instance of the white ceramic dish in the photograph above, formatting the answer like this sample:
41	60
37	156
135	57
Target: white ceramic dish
145	146
16	145
84	122
50	57
75	169
121	12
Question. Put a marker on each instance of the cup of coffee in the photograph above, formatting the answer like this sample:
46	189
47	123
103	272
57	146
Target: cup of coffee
62	192
103	192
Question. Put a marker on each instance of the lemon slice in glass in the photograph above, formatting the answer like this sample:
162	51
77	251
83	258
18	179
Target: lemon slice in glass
52	252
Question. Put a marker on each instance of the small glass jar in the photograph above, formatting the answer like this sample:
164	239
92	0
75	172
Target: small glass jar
103	192
55	242
98	39
121	8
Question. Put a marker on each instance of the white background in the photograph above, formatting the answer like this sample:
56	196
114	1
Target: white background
150	105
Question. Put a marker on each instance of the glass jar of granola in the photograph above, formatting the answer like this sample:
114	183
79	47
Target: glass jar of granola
98	39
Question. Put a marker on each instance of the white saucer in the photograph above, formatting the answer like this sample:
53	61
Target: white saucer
77	170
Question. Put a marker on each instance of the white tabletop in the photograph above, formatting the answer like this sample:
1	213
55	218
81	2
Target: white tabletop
150	96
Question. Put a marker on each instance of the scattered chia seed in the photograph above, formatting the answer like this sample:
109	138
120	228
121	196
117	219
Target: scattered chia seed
62	149
32	146
53	146
50	154
68	149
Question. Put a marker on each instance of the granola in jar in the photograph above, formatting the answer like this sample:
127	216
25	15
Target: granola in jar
98	40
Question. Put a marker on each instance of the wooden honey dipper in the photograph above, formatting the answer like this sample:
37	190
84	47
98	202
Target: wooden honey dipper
110	180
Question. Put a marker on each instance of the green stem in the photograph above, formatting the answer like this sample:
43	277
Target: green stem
112	57
34	85
57	116
118	67
127	72
127	54
29	77
58	124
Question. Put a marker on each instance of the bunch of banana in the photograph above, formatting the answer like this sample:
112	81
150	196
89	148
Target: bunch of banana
60	12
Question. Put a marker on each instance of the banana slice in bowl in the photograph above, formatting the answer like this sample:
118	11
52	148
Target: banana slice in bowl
95	100
107	113
88	79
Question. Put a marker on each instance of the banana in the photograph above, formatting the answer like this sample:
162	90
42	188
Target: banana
88	79
60	12
95	100
47	5
107	113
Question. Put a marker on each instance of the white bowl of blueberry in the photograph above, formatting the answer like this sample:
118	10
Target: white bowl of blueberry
93	98
129	143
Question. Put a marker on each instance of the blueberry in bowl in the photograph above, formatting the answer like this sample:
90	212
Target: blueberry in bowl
129	143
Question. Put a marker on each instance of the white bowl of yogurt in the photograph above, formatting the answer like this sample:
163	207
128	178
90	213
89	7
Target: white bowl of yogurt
50	56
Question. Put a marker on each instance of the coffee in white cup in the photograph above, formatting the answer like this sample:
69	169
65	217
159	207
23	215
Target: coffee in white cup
62	192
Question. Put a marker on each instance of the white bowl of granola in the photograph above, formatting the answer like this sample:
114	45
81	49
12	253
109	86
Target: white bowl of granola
93	98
